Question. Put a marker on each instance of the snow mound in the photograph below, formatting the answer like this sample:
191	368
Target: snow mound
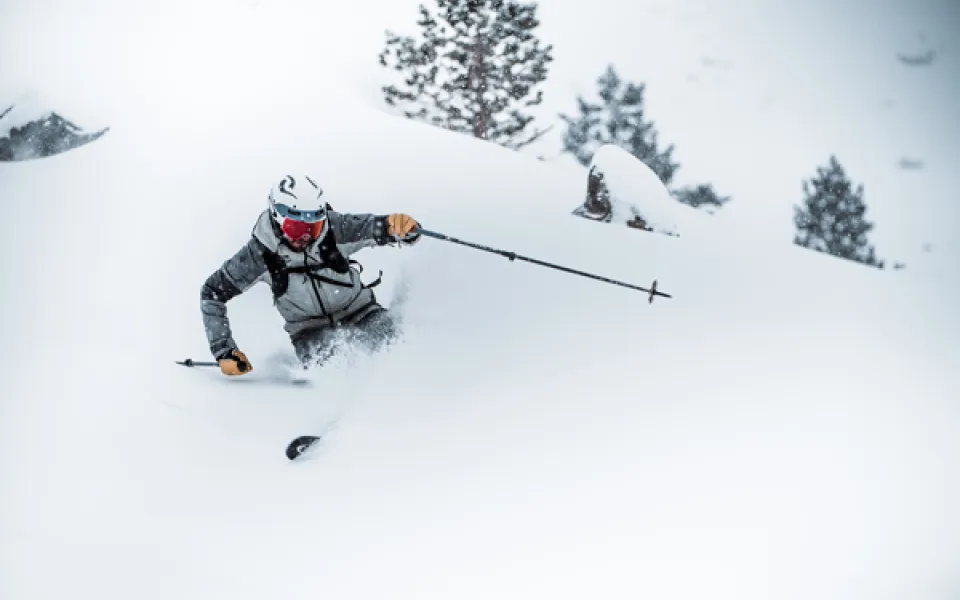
622	189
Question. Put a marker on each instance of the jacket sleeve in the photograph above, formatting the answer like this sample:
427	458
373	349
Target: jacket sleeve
354	232
234	277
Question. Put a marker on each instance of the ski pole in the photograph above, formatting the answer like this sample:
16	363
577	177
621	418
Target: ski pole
197	363
653	291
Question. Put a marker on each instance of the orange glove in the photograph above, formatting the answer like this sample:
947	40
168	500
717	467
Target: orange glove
235	363
403	227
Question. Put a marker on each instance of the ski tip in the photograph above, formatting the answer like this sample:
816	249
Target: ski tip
298	446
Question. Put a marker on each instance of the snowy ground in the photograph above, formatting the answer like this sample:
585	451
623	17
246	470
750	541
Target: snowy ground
786	427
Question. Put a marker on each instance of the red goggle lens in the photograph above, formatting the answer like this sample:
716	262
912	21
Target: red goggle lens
300	231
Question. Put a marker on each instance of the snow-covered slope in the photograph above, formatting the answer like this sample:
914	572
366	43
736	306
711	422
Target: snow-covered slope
785	427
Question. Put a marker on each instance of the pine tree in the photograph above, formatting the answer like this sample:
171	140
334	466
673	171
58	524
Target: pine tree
701	195
832	217
47	136
618	119
476	69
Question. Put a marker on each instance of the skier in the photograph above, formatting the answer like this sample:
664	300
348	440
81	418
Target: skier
300	247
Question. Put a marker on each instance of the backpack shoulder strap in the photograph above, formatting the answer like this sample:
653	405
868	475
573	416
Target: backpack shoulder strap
279	272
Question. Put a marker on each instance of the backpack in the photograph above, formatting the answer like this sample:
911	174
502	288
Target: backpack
330	258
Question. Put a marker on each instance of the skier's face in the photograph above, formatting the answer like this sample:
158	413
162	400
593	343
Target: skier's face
300	244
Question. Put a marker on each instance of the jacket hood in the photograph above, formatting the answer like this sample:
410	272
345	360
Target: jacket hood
265	233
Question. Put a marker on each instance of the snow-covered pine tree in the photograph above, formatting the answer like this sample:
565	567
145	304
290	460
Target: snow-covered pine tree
45	136
700	195
832	217
476	69
618	119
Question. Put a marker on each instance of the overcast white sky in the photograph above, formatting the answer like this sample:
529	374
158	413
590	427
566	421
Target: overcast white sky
754	94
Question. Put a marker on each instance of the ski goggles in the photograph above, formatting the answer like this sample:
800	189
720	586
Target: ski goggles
299	224
307	216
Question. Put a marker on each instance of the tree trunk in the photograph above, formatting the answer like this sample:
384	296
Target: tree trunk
477	84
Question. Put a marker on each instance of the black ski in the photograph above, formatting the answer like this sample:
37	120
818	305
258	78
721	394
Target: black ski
298	446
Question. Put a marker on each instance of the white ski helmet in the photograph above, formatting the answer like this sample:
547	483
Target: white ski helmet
298	209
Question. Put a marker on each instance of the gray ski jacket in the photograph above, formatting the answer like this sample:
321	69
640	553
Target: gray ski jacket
314	288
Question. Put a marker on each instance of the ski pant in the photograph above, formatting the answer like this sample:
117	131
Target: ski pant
371	333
